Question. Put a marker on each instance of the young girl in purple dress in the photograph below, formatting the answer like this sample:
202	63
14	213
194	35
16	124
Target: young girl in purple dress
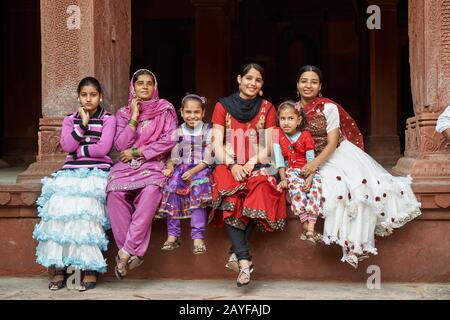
187	191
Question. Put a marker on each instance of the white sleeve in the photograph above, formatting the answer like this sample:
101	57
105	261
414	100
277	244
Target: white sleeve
443	122
279	159
208	154
331	113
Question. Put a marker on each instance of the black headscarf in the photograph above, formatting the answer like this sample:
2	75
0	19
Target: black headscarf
242	110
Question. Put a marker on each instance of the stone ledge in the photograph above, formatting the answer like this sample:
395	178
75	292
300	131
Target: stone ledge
433	195
18	200
417	252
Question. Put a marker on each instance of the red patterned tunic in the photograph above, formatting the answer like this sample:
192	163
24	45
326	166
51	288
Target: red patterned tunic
317	125
257	198
294	152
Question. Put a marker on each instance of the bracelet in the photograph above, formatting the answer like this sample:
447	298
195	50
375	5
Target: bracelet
206	163
133	123
135	152
229	162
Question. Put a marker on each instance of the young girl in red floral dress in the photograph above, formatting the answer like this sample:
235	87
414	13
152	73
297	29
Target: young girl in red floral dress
293	148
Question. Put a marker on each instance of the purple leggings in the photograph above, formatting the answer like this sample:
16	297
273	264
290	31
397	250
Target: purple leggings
198	224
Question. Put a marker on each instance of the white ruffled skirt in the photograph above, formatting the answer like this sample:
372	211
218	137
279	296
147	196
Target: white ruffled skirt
361	200
73	220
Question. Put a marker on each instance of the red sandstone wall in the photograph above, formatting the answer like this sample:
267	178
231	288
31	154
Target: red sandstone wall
112	48
418	252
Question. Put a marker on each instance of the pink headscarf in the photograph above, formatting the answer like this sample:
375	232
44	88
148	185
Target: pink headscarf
148	109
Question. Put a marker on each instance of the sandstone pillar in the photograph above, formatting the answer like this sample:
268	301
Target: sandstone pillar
427	154
383	142
212	49
79	38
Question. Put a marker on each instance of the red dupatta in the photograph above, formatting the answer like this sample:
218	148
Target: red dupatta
348	126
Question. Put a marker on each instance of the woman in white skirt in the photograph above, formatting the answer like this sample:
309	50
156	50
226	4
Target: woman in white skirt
360	198
72	203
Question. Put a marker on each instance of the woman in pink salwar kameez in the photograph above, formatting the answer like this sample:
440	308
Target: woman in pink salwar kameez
144	140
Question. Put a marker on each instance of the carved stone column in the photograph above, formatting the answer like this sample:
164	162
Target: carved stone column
427	154
79	38
212	49
383	142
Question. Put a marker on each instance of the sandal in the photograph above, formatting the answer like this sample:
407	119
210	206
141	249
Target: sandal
310	238
58	284
363	257
122	259
199	249
303	235
233	264
243	272
317	236
352	260
134	262
170	245
91	284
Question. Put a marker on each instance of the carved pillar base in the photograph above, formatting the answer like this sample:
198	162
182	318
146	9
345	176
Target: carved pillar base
384	148
50	156
432	170
427	161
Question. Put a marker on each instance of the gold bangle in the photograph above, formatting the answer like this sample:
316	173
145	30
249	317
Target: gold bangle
133	123
135	152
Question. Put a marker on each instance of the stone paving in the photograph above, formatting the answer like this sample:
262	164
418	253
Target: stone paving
128	289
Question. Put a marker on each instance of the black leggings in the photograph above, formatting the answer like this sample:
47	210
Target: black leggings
240	240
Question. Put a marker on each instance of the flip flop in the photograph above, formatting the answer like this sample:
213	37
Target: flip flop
134	262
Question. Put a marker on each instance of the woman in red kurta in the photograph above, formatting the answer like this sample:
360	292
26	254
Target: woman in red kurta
245	193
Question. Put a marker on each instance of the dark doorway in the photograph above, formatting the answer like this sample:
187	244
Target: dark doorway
284	35
405	101
21	90
162	41
281	36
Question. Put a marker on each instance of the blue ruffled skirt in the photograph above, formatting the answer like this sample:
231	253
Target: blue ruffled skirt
73	220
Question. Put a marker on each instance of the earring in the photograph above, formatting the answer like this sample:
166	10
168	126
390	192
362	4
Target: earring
78	99
101	99
298	94
320	94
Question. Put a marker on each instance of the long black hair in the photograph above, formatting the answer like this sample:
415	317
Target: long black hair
89	81
300	112
310	68
195	97
246	68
